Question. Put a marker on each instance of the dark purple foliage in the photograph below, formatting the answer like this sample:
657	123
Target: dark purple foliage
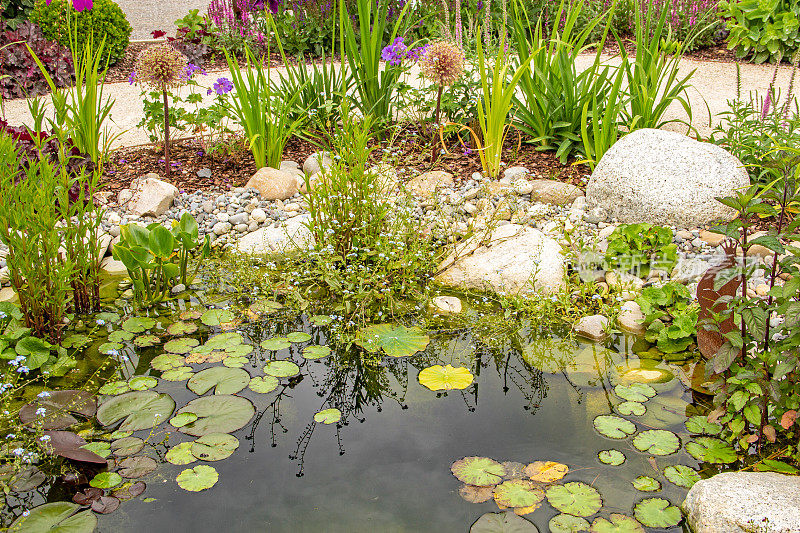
24	77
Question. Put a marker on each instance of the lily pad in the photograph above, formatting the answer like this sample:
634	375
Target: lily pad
328	416
575	498
657	512
191	314
276	343
215	317
142	382
222	379
711	450
128	491
635	392
120	336
214	446
59	406
611	457
235	362
57	517
263	385
438	377
199	478
480	471
514	470
316	352
475	494
518	493
699	425
181	454
502	523
113	388
567	523
102	449
681	475
178	421
298	336
136	467
631	408
181	373
146	341
320	320
657	442
646	484
108	348
614	427
127	446
181	346
616	523
224	341
76	340
106	480
217	414
394	340
181	328
137	410
167	361
281	369
137	324
546	471
69	445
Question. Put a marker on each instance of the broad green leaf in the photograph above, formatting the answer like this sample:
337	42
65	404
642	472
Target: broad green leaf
567	523
138	324
657	512
328	416
298	336
178	421
137	410
611	457
112	388
127	446
235	362
181	328
635	392
320	320
480	471
110	347
657	442
545	471
57	517
142	382
136	467
103	449
263	385
181	454
276	343
616	523
438	377
614	427
146	341
631	408
217	414
646	484
316	352
181	345
222	379
214	446
394	340
575	498
681	475
507	522
181	373
106	480
120	336
711	450
215	317
281	369
518	493
199	478
701	426
167	361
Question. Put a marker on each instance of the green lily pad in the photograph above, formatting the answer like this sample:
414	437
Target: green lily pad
646	484
178	421
107	316
320	320
182	373
264	307
567	523
109	347
276	343
631	408
191	314
438	377
657	442
224	341
635	392
281	369
167	361
215	317
112	388
575	498
217	414
106	480
76	340
263	385
57	517
616	523
699	425
240	350
120	336
137	410
142	382
480	471
103	449
316	352
657	512
119	434
222	379
235	362
507	522
328	416
127	446
136	467
394	340
711	450
611	457
614	427
214	446
146	341
681	475
182	345
180	454
199	478
181	328
138	324
298	336
518	493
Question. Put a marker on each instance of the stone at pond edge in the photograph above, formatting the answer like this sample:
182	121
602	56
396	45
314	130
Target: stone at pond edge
744	501
292	236
513	257
113	267
425	185
592	327
665	178
445	305
151	196
7	294
630	318
554	192
316	162
274	184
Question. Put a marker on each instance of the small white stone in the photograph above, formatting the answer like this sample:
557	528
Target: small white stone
445	305
258	215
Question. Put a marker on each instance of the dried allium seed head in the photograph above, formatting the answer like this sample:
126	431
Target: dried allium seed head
161	66
442	63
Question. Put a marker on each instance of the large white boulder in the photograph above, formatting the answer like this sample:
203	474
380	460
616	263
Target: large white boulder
666	178
291	236
739	502
512	259
151	196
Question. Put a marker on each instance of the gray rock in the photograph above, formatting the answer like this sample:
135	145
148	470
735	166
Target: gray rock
630	318
592	327
292	236
554	192
113	267
258	215
316	162
425	185
240	228
689	270
221	228
445	305
151	196
204	173
513	173
596	215
666	178
739	502
179	288
239	218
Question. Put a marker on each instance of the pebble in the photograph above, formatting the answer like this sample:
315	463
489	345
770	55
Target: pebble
221	228
238	218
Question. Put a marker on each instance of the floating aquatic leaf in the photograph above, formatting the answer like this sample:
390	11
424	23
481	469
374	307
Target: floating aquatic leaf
110	347
167	361
107	316
222	379
711	450
616	523
480	471
476	494
59	408
106	480
181	328
28	479
235	362
105	505
214	446
119	434
264	307
281	369
137	324
514	470
142	382
128	491
298	336
328	416
224	341
137	410
136	467
614	427
611	457
127	446
120	336
102	449
502	523
198	478
112	388
635	392
69	445
178	421
57	517
276	343
395	340
240	350
700	425
657	512
631	408
518	493
181	454
181	373
646	484
146	341
316	352
665	411
320	320
217	414
657	442
567	523
546	471
190	315
76	340
438	377
182	345
681	475
575	498
215	317
263	385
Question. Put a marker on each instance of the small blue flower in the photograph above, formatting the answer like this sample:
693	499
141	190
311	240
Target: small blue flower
43	394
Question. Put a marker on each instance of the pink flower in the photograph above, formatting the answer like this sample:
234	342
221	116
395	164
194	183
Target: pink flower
79	5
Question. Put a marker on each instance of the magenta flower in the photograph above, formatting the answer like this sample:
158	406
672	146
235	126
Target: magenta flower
79	5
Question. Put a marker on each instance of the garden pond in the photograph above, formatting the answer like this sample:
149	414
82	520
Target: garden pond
290	435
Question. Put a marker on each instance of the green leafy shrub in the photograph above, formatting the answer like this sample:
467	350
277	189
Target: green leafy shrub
15	12
670	316
763	29
104	22
638	247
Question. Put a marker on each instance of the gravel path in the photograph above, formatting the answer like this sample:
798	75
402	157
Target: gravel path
145	16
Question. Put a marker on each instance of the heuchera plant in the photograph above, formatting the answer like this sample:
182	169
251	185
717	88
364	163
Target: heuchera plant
19	74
